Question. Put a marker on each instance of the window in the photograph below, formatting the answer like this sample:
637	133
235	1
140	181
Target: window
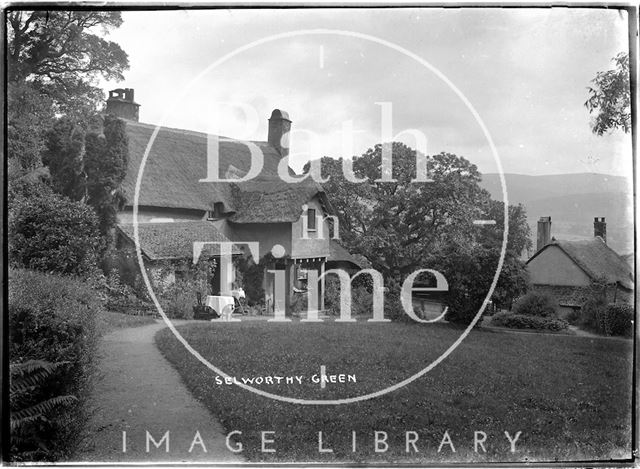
217	212
311	219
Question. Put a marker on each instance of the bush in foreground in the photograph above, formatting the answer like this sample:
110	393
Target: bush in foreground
523	321
52	319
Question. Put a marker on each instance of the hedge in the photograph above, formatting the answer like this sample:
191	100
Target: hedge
618	319
523	321
52	319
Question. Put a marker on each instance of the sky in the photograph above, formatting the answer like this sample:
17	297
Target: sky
523	72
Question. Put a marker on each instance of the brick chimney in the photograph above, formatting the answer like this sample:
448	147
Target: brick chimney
121	104
600	228
279	127
544	232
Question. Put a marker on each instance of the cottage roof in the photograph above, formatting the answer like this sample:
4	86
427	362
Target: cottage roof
175	240
272	200
178	160
596	259
340	254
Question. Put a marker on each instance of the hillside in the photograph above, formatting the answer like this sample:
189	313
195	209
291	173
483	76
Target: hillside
572	201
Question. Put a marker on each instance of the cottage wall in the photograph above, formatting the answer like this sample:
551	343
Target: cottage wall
267	234
553	267
315	245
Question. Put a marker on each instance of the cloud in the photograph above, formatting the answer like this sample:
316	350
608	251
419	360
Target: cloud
525	71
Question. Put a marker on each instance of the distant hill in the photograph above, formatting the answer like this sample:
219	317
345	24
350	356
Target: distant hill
572	201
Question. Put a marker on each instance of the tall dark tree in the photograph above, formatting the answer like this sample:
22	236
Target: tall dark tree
105	165
610	98
63	154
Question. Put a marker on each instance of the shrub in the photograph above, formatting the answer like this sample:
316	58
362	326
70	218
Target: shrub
537	304
592	315
52	319
299	303
619	319
574	317
121	297
51	233
361	298
178	299
523	321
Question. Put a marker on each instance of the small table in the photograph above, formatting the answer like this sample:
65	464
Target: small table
223	305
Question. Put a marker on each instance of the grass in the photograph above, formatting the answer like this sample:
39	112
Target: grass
570	396
108	321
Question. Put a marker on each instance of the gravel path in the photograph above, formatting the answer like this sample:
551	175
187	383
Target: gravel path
140	392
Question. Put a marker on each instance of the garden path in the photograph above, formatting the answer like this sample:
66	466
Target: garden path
139	391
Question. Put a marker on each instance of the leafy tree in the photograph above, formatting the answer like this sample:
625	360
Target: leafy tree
59	53
397	225
50	233
404	226
105	165
610	98
469	270
63	154
54	59
514	278
27	116
519	239
512	282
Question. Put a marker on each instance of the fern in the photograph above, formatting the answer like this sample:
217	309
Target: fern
37	412
26	378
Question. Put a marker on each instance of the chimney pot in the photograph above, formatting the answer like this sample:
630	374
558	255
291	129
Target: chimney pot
121	104
279	128
600	228
544	232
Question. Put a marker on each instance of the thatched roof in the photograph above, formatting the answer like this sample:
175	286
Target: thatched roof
273	200
340	254
178	160
175	240
596	259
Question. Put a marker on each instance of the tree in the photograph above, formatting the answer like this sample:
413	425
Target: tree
54	59
105	165
27	116
469	270
398	224
519	240
610	98
63	154
59	53
514	279
404	226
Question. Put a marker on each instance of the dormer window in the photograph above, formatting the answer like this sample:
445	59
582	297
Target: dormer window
217	212
311	219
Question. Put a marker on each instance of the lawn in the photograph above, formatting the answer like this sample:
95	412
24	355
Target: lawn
569	396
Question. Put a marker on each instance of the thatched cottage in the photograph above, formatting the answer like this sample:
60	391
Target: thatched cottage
567	269
176	208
